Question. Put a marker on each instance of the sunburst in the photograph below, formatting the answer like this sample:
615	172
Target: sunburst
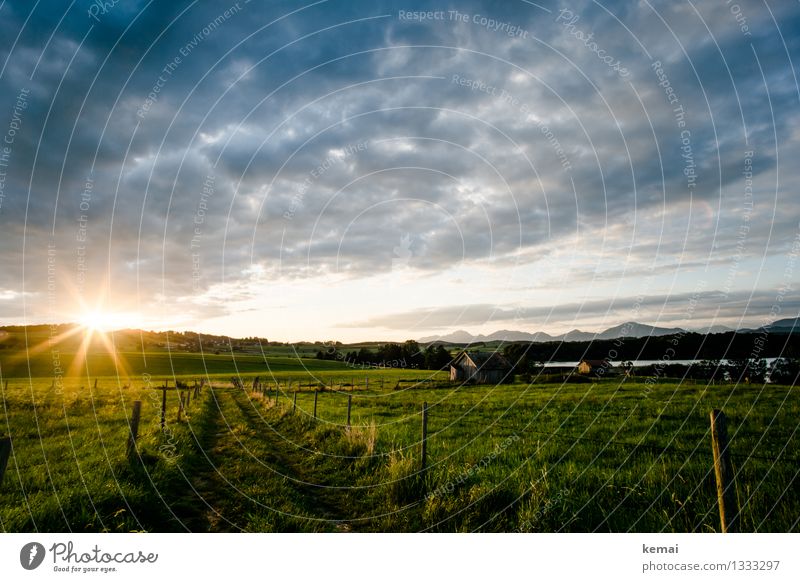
99	324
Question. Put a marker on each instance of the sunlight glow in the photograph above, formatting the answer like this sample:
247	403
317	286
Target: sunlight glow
94	321
98	327
104	321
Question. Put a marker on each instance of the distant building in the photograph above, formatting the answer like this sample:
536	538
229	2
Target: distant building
479	367
595	367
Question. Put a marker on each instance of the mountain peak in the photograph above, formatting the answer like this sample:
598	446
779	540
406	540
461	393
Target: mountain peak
627	329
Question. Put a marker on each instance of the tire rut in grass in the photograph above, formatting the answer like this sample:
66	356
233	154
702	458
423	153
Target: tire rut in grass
313	494
202	503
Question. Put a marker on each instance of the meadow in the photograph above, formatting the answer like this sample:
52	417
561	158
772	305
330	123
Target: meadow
136	364
611	456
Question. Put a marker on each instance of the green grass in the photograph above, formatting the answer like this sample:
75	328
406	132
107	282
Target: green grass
584	457
135	364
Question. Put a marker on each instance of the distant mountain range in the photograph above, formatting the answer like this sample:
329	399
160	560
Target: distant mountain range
629	329
789	325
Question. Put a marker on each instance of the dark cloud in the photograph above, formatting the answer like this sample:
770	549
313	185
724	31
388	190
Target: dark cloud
540	140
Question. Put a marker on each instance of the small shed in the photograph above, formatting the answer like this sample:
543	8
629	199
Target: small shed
595	367
480	367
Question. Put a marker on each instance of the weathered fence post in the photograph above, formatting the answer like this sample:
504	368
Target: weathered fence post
367	383
164	407
424	435
188	398
180	404
349	406
5	452
134	426
277	392
316	393
726	486
294	401
95	385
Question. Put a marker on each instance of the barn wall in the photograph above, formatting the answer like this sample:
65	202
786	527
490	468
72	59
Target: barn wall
491	376
465	370
495	376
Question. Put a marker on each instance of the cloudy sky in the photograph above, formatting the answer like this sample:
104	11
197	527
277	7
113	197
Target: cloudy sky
384	170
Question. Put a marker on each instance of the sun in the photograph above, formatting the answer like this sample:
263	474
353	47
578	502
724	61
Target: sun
95	321
97	327
105	321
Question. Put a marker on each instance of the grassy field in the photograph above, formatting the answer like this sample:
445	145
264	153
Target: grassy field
611	456
133	365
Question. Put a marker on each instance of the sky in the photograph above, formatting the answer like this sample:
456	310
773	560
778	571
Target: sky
379	170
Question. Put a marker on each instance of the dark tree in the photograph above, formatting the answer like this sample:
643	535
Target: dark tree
436	357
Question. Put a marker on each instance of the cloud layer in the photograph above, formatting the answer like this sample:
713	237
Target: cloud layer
186	162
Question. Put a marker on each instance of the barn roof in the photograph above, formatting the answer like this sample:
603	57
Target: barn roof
485	361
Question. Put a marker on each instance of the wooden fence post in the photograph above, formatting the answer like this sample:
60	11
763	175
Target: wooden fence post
188	398
134	426
349	406
5	452
316	393
367	383
726	485
95	385
164	407
424	435
180	404
294	401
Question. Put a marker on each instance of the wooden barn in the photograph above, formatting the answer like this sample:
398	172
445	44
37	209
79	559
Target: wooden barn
595	367
479	367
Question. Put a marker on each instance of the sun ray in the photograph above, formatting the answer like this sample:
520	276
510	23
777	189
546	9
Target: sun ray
49	343
97	331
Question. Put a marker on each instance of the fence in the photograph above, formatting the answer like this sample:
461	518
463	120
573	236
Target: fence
723	470
185	394
720	448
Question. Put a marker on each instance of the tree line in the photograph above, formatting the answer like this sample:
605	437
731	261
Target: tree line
683	346
391	355
729	356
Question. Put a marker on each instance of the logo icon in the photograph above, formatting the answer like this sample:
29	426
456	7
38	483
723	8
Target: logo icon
31	555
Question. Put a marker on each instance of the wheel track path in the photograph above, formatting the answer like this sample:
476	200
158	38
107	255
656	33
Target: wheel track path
243	458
